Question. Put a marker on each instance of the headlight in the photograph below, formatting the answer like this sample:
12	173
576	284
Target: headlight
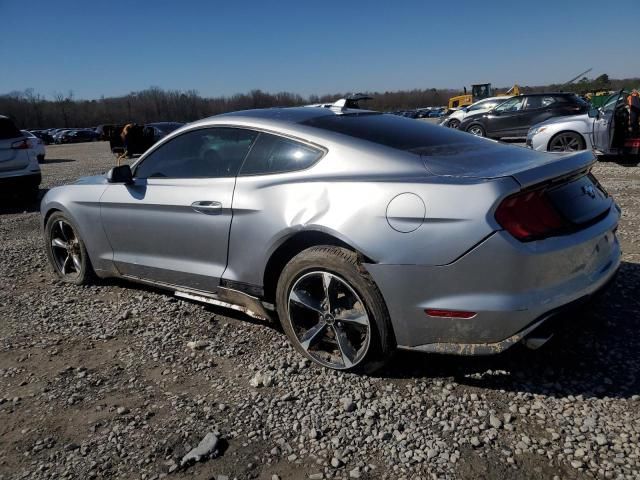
535	131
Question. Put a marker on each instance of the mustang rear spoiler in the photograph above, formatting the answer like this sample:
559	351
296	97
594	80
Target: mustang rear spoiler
564	165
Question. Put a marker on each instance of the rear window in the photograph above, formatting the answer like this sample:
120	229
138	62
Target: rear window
8	129
406	134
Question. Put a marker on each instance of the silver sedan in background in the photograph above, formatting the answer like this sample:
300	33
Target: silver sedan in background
601	129
362	232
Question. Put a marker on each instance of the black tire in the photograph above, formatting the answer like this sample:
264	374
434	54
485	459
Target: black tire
68	233
477	130
566	142
345	269
453	123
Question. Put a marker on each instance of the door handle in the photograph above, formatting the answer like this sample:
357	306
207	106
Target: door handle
208	207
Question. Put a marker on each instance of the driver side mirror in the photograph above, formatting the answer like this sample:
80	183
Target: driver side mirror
121	174
495	112
594	113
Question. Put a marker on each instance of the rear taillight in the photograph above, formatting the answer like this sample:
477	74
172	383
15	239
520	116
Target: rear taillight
529	216
20	145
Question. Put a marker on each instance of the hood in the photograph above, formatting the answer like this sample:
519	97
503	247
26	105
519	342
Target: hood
490	159
92	180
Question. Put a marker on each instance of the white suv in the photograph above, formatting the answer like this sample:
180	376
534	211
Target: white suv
484	105
19	169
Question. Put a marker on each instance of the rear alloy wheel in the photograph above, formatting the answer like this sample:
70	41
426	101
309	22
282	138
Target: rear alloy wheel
66	251
332	312
453	123
476	130
567	142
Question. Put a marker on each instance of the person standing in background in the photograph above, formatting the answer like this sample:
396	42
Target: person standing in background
124	135
633	101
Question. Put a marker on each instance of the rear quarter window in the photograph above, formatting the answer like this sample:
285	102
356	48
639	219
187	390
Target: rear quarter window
8	129
274	154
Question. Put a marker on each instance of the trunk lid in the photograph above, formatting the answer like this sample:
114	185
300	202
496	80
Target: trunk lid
564	180
490	160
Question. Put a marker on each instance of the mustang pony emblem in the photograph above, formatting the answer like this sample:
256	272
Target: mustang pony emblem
589	190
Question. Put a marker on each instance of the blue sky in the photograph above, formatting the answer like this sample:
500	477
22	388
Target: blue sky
113	47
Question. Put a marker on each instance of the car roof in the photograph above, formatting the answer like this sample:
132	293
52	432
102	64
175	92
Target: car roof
287	115
545	94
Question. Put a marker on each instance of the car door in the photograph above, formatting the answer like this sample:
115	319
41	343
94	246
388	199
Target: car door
604	123
537	109
171	224
506	118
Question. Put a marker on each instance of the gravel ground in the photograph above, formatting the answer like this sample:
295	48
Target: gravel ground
117	380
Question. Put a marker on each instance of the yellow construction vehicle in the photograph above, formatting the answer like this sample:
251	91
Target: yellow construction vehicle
478	92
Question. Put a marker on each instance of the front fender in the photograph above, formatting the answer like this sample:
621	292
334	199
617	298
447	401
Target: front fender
81	204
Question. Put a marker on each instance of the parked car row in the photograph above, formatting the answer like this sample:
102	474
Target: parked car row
66	135
428	112
551	122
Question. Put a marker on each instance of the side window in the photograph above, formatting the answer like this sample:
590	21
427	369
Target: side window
203	153
538	101
273	154
511	105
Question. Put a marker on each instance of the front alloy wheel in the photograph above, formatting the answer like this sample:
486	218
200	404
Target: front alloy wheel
566	142
476	130
66	251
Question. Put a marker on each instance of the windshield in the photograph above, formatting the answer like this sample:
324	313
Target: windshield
611	102
488	104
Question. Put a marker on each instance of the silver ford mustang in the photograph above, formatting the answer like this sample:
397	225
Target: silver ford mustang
365	232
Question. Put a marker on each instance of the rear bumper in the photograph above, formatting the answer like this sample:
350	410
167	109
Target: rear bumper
543	326
513	287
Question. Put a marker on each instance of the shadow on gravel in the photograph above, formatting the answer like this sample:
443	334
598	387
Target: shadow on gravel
214	309
594	353
623	161
12	204
55	160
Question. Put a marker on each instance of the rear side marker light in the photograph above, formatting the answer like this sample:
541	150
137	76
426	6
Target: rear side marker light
436	312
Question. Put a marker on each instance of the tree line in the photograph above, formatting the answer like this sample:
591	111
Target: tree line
33	110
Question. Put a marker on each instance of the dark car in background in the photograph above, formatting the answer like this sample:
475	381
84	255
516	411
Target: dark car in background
80	136
43	135
162	129
514	117
141	137
106	131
